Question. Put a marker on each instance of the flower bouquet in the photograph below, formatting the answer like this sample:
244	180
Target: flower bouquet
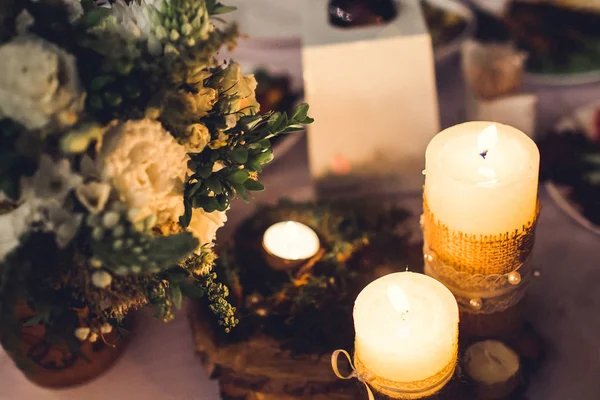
122	143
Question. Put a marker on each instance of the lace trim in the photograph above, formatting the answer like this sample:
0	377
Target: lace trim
407	390
487	274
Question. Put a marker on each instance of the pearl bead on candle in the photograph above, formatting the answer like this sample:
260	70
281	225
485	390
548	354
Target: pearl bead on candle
406	327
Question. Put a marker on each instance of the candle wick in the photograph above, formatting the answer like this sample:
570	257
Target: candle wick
483	154
404	314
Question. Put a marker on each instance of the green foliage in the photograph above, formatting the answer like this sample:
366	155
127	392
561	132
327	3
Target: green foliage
202	282
144	254
215	8
248	149
114	262
309	309
123	248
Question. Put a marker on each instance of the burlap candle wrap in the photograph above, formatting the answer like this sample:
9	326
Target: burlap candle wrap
486	273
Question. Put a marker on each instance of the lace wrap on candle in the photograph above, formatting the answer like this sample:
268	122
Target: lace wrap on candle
487	274
395	390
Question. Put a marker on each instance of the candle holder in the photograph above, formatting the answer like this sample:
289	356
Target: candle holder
288	245
486	273
393	390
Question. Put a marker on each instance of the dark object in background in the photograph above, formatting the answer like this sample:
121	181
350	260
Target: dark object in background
559	39
489	27
353	13
444	25
563	161
274	92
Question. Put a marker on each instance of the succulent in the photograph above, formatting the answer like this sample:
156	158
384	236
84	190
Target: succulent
124	246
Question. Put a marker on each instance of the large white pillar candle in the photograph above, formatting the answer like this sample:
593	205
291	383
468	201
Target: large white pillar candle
481	178
407	329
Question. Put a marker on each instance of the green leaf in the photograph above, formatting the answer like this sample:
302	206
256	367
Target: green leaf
223	201
176	297
253	165
239	155
266	157
100	81
177	275
185	219
273	120
278	124
192	291
210	205
238	177
210	5
34	320
223	10
265	143
204	171
249	122
162	252
254	186
241	192
214	184
293	128
94	17
300	113
195	187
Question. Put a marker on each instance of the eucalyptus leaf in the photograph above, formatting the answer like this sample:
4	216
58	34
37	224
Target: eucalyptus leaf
205	171
239	155
176	297
192	291
254	186
242	192
185	219
253	165
100	81
238	177
300	113
194	189
94	17
177	275
214	185
223	9
266	157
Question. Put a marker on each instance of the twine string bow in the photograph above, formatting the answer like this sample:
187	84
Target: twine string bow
353	375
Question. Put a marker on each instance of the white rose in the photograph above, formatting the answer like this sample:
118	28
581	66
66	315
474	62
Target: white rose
147	167
204	225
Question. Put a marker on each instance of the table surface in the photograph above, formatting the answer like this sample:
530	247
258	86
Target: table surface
563	304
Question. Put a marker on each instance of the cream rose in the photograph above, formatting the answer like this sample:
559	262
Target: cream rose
204	225
39	84
147	167
241	89
198	138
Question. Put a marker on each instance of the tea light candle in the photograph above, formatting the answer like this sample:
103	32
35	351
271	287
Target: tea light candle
482	178
289	243
493	367
407	330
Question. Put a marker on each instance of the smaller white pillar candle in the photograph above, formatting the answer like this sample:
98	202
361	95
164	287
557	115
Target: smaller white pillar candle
406	327
291	241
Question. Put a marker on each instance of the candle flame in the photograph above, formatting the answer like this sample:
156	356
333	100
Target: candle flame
399	300
487	140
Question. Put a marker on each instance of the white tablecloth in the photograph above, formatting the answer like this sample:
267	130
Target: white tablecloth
564	304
